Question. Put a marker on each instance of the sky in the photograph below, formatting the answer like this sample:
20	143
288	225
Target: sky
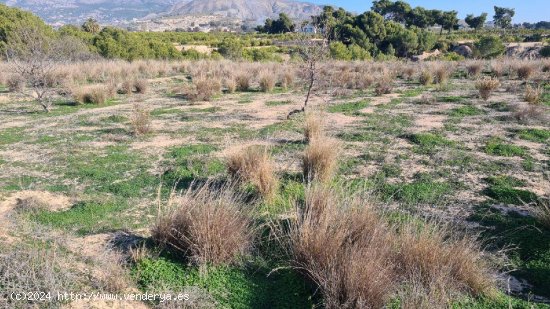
526	10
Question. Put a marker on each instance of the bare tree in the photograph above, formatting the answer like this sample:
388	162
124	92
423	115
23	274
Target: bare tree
313	51
34	56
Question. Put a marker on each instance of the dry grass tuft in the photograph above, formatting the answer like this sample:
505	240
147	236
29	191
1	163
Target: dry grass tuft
96	94
287	80
533	95
254	165
542	212
15	83
127	87
474	68
426	77
533	113
267	82
230	84
442	73
486	86
243	81
313	126
203	89
35	267
141	86
140	120
525	71
384	86
320	159
208	226
358	260
341	246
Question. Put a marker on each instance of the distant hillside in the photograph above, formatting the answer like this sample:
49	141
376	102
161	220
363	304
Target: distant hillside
121	11
105	11
256	10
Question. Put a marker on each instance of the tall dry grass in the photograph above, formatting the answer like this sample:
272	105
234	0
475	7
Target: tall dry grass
486	87
254	165
206	225
359	260
320	158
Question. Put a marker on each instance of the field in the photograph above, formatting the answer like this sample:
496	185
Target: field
86	188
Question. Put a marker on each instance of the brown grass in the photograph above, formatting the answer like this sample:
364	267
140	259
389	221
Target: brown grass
486	86
140	120
426	77
95	94
533	95
254	165
141	86
525	70
442	73
267	82
203	89
474	68
313	126
358	260
243	81
208	226
533	113
384	86
542	212
287	80
15	83
320	159
127	87
230	84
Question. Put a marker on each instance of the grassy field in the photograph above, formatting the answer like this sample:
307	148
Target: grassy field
83	187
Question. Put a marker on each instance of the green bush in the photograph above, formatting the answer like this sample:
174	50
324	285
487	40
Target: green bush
489	47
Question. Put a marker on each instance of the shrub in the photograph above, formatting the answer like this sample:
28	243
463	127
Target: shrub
127	87
140	120
207	225
489	47
546	66
358	260
525	71
384	86
486	87
243	82
533	95
342	246
267	82
15	83
474	68
254	165
141	86
203	89
320	159
531	113
33	268
426	77
442	73
230	84
287	80
96	94
545	51
497	67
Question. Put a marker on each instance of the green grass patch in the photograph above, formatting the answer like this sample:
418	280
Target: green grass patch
208	110
503	189
467	110
428	143
11	136
495	146
86	217
422	190
530	243
386	124
348	108
165	111
534	135
117	171
231	287
450	99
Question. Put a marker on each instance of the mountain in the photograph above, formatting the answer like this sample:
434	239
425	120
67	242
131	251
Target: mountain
105	11
255	10
59	12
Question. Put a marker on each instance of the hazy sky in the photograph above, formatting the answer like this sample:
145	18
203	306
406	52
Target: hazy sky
526	10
